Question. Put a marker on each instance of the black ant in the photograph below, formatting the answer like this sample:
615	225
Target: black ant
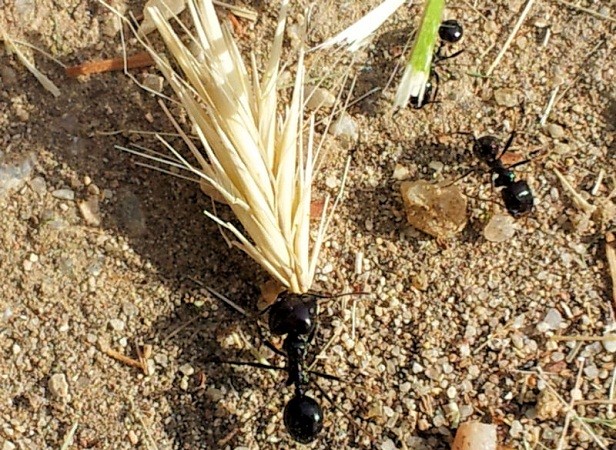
517	195
294	315
451	32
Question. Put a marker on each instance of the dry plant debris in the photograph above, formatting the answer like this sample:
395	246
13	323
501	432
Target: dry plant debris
142	59
449	335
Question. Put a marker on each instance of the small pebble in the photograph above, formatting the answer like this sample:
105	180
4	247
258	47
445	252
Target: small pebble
187	369
609	343
506	97
64	194
555	131
12	177
39	185
58	386
516	429
500	228
345	127
319	97
154	82
117	324
129	309
591	371
8	445
401	172
452	392
417	368
90	211
553	318
132	437
184	383
388	445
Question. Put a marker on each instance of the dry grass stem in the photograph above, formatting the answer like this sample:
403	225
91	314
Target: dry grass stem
68	439
515	30
570	410
591	12
578	200
550	105
150	442
142	59
42	79
138	363
610	254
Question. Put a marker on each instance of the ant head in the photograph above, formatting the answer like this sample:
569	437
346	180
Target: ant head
450	31
487	148
303	418
293	314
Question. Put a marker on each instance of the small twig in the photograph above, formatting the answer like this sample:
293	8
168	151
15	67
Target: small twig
571	410
597	185
124	359
150	442
136	61
607	337
591	12
549	107
68	439
578	200
563	436
610	409
515	30
610	254
596	402
244	13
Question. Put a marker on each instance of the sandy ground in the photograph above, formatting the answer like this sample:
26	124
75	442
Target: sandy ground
452	332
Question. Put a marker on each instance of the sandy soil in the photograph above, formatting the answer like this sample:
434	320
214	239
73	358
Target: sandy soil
452	332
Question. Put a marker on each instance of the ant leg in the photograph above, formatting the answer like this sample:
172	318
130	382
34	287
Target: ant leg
439	58
249	364
507	145
325	375
437	81
459	178
272	347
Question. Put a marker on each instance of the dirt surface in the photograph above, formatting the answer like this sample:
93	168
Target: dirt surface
452	332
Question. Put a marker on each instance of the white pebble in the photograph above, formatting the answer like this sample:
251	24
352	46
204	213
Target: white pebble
553	319
388	445
318	97
609	343
345	127
500	228
58	386
64	194
117	324
187	369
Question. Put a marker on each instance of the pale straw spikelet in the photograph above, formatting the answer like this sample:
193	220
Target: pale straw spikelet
417	71
256	160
